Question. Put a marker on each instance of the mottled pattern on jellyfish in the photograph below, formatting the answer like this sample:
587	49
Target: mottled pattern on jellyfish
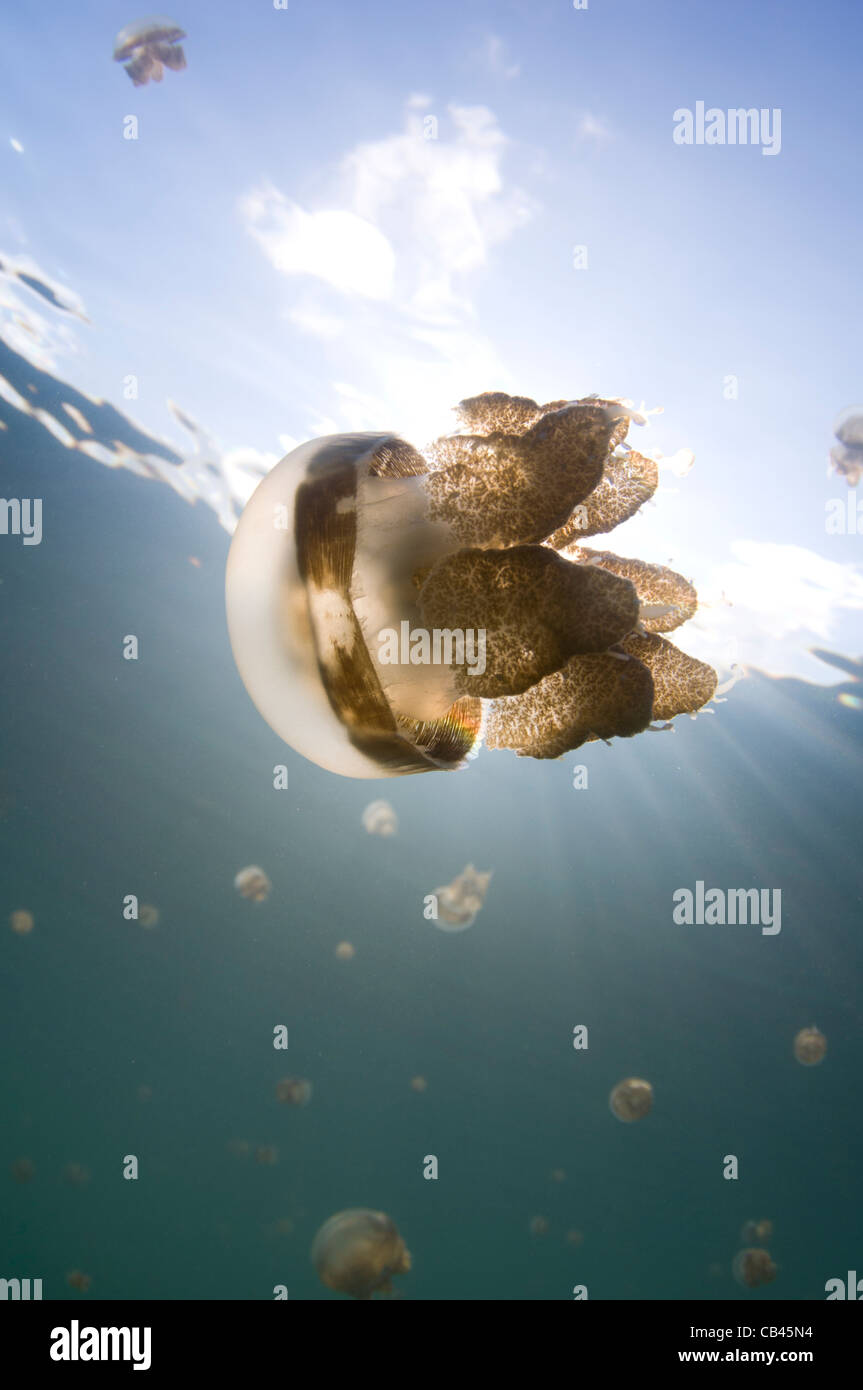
536	609
379	818
507	489
21	922
810	1047
147	46
294	1090
459	902
252	883
629	479
358	1251
666	599
494	412
631	1100
681	684
756	1232
752	1268
606	695
78	1281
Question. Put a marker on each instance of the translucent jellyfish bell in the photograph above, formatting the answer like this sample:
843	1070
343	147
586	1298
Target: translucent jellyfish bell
148	46
752	1268
631	1100
358	1251
459	902
385	608
810	1047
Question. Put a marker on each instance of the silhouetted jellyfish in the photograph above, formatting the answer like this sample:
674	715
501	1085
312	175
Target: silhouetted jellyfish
21	922
345	951
459	902
756	1232
419	1084
358	566
78	1281
379	818
253	884
148	915
267	1155
147	47
538	1226
358	1251
847	453
23	1169
810	1047
293	1090
754	1267
631	1100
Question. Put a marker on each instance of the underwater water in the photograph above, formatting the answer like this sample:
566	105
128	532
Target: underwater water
155	776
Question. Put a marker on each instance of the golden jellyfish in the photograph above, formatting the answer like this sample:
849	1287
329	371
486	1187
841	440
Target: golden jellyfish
385	609
294	1090
358	1252
252	883
147	47
23	1169
756	1232
575	1237
538	1226
631	1100
754	1267
459	902
148	915
419	1084
78	1280
266	1155
345	951
379	818
21	922
810	1047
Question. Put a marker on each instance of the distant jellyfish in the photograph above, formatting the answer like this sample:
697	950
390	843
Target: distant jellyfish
284	1226
379	818
267	1155
459	902
345	951
418	1084
252	883
21	922
575	1237
847	453
631	1100
538	1226
558	1175
756	1232
294	1090
76	1174
148	915
145	1094
810	1047
78	1281
240	1148
23	1169
358	1251
754	1267
147	47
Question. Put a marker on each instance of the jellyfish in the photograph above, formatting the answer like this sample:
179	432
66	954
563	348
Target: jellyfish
292	1090
76	1174
810	1047
147	47
538	1226
358	1251
847	453
752	1268
558	1175
145	1094
386	609
21	922
23	1170
379	818
148	915
345	951
240	1148
631	1100
459	902
756	1232
266	1155
575	1237
78	1280
419	1084
252	883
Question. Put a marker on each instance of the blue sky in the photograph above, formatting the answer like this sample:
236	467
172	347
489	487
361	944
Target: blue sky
283	251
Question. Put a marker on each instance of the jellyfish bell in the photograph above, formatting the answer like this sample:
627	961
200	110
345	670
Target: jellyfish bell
538	1226
21	922
345	950
379	818
358	1251
753	1267
631	1100
384	607
147	46
459	902
293	1090
253	883
79	1281
810	1047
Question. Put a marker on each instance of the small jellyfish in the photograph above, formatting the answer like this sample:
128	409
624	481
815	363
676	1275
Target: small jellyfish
145	1094
631	1100
252	883
575	1237
752	1268
148	915
358	1251
345	951
76	1174
538	1226
78	1281
418	1084
284	1226
240	1148
147	47
810	1047
379	818
21	922
459	902
558	1175
388	610
847	453
756	1232
293	1090
267	1155
23	1169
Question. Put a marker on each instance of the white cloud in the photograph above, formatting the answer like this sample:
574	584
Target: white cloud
493	53
345	250
594	128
